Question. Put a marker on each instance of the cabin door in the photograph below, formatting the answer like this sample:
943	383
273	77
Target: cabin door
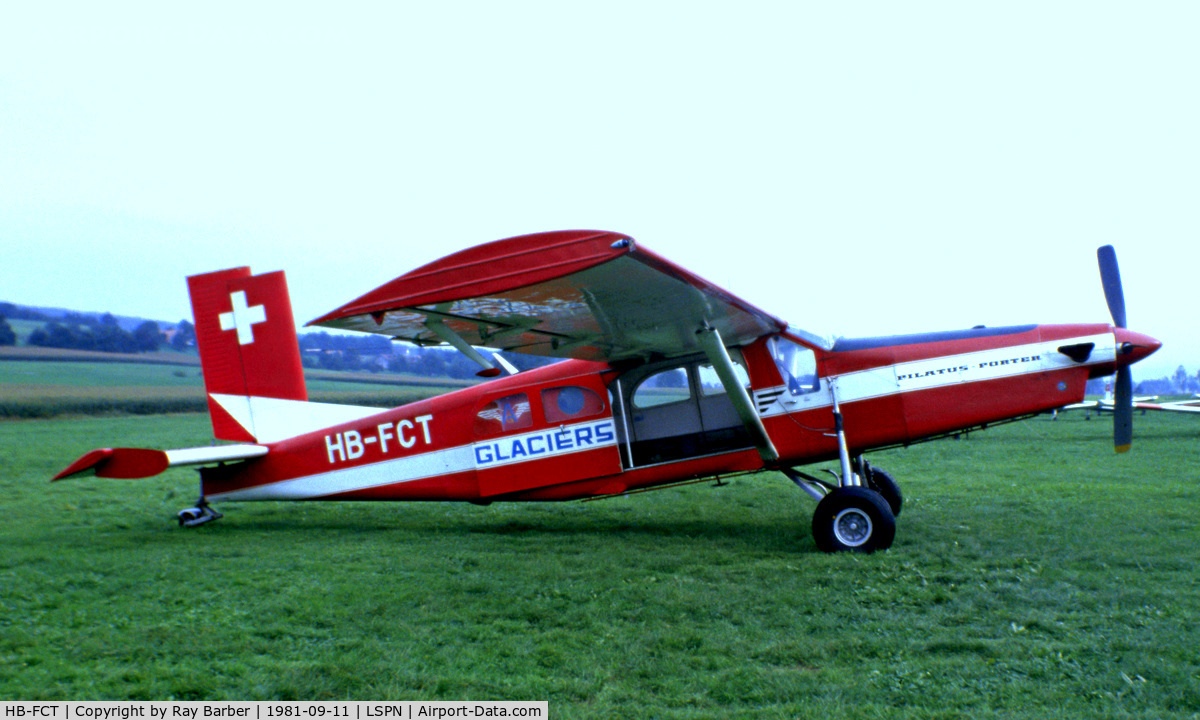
675	411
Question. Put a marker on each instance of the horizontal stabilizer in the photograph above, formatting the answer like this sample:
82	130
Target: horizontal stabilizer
128	463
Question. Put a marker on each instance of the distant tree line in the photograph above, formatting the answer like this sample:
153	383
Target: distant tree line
1178	383
7	335
376	353
103	334
95	332
19	312
373	353
318	350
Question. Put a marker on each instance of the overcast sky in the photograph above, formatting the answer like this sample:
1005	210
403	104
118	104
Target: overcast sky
855	168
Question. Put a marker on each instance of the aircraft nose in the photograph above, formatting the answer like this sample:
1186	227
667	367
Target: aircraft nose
1133	346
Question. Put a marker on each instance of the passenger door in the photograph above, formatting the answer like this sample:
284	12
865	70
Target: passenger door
680	410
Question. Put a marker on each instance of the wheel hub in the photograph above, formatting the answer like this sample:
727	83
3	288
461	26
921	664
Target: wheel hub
852	527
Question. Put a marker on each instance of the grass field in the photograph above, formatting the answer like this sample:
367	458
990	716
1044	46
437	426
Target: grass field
1035	574
47	388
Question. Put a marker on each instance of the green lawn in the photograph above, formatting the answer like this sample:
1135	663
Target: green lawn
40	389
124	374
98	374
1035	574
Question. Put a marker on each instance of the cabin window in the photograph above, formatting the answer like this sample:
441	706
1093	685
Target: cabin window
710	382
797	364
663	388
568	403
511	412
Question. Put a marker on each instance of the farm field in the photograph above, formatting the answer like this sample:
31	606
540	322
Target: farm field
1035	574
46	388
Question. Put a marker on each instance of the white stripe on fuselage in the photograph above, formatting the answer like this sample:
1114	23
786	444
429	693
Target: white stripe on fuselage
861	385
940	371
362	477
493	452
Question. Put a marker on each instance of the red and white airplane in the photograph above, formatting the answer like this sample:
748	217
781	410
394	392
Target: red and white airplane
1184	406
1108	403
667	378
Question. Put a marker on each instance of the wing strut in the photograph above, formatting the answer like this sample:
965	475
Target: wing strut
440	329
714	349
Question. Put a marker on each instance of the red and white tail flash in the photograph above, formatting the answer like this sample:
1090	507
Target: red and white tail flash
247	339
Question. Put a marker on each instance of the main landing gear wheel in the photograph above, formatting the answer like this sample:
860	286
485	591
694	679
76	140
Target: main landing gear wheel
853	518
882	482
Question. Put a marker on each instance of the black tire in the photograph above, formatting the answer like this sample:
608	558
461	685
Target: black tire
855	519
882	482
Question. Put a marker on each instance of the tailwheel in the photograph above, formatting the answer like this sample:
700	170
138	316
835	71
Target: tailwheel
199	515
853	518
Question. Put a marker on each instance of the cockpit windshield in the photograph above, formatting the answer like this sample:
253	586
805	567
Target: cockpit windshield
797	364
825	342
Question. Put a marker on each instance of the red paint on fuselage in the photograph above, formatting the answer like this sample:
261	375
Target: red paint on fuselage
905	396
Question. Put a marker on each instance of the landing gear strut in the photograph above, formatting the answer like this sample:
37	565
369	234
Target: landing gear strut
859	518
199	515
858	513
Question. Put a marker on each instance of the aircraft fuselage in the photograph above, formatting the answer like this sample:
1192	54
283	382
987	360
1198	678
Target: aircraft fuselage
578	429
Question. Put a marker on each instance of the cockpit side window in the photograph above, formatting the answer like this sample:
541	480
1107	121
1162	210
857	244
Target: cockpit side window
570	402
710	382
797	364
504	414
663	388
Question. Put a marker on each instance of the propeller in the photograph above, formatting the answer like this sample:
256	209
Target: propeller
1110	278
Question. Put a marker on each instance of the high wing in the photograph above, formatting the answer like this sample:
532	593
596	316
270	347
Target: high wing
585	294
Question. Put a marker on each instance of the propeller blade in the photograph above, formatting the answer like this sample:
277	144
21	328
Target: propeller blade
1110	278
1123	411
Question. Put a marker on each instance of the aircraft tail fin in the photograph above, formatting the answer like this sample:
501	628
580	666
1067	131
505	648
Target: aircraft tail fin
246	335
252	373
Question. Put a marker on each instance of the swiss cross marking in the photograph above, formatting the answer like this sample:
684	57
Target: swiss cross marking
243	317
